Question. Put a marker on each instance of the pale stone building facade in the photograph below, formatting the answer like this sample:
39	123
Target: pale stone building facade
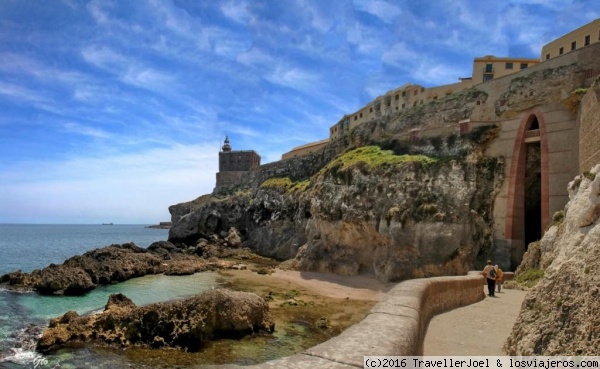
581	37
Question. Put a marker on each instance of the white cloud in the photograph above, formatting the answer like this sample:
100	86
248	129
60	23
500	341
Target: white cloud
401	55
255	56
135	187
102	56
236	11
95	9
381	9
294	78
365	39
80	129
147	78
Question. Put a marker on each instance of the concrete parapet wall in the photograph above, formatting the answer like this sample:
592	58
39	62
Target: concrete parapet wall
395	326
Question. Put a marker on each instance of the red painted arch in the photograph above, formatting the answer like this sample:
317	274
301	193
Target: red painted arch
515	212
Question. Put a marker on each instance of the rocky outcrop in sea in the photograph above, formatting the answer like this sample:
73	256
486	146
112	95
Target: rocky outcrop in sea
118	263
560	314
184	324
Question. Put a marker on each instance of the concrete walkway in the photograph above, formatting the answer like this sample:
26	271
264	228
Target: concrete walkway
479	329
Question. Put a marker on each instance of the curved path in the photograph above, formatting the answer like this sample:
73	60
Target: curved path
480	329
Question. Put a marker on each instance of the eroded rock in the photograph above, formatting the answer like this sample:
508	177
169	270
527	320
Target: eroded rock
184	324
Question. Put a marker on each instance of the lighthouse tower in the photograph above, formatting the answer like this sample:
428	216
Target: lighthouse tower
233	164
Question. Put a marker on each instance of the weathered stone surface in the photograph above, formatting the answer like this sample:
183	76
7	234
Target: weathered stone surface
185	324
560	314
79	274
117	263
393	221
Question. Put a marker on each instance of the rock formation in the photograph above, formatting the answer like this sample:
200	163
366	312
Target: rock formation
77	275
367	211
185	324
118	263
560	314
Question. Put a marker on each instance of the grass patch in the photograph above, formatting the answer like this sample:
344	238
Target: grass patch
589	175
373	157
558	217
530	277
285	183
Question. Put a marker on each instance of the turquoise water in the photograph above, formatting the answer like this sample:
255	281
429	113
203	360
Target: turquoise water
24	315
29	247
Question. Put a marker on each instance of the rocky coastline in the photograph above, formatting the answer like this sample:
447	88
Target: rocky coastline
118	263
184	324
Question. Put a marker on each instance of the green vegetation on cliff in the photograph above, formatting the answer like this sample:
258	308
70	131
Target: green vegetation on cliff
373	157
285	183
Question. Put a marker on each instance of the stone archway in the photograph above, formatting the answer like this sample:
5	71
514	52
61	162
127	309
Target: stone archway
527	212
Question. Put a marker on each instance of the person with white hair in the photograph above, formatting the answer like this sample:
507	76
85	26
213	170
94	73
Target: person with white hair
498	277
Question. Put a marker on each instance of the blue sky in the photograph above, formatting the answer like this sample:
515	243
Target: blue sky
110	111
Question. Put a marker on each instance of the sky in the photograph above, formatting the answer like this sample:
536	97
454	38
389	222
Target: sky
111	111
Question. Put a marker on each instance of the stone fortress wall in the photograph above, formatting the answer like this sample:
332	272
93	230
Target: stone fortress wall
589	128
546	93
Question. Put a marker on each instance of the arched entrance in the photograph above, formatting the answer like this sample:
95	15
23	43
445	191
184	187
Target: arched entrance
527	210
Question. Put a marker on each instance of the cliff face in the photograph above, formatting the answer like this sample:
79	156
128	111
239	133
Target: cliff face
367	211
560	315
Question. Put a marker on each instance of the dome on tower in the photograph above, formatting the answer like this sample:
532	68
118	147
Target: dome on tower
226	146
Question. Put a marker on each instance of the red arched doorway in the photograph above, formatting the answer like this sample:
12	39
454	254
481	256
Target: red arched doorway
527	208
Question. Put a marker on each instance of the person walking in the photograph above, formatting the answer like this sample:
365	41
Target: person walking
498	277
489	272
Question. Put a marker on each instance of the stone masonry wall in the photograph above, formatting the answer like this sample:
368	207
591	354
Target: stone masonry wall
589	129
297	169
394	327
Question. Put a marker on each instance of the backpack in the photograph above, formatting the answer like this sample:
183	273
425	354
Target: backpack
492	273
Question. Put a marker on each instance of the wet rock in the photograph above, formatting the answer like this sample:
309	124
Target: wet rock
81	273
184	324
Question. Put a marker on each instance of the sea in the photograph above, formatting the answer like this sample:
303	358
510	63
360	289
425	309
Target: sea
24	314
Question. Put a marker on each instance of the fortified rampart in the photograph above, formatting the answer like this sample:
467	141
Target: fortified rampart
589	128
539	138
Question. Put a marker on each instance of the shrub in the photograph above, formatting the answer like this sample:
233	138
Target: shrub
530	277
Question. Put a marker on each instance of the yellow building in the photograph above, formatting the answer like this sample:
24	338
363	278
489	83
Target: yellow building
489	67
404	97
304	149
581	37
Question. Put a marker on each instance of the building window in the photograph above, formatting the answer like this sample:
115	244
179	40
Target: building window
397	97
488	77
561	51
403	93
573	45
489	68
403	106
361	115
547	56
355	117
523	65
509	65
587	40
416	92
370	110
